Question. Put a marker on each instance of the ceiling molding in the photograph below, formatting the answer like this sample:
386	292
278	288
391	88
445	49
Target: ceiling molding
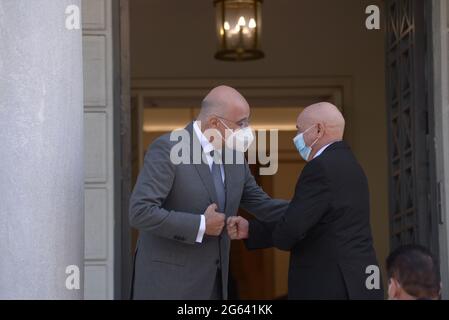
260	92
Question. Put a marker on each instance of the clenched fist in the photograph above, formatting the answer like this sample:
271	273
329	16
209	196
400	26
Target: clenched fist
215	221
237	228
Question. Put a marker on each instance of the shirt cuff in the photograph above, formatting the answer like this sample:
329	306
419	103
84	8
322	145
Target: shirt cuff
202	230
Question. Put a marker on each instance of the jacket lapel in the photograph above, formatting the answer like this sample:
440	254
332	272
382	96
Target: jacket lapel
206	177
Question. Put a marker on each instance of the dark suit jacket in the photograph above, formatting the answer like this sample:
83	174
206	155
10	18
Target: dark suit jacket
327	230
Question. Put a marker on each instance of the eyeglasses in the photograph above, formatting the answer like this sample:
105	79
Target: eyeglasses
241	124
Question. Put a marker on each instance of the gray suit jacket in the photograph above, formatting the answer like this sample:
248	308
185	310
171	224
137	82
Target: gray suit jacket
166	206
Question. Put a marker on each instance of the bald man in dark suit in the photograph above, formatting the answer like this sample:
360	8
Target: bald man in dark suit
326	227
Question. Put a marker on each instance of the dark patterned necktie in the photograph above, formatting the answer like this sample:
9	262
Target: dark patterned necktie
218	182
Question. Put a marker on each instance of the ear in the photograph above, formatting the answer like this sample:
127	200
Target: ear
393	289
320	129
213	122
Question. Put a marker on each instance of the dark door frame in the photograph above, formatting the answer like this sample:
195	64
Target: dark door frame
122	147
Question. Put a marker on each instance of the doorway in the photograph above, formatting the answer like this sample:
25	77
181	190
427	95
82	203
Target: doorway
163	78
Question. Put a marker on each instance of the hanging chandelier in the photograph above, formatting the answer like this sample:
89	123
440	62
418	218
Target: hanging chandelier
239	25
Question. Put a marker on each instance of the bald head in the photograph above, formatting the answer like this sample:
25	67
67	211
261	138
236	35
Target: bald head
224	101
326	125
223	109
325	113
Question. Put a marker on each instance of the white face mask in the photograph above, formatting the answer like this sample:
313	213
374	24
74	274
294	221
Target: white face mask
240	139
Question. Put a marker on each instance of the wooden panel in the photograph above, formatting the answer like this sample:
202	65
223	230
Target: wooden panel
95	221
94	53
94	14
446	4
96	281
95	135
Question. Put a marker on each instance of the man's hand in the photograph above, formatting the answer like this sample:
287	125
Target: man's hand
237	228
215	221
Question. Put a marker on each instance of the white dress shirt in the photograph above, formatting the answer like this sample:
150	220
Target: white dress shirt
207	148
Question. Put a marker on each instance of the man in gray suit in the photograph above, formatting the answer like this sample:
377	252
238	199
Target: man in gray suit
180	208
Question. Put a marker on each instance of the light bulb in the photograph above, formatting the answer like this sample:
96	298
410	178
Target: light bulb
252	23
242	21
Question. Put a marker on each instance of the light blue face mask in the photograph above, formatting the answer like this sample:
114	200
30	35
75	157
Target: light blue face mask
301	146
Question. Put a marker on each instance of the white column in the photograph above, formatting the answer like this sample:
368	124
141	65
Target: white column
41	150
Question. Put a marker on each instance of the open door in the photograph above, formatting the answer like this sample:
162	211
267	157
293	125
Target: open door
413	214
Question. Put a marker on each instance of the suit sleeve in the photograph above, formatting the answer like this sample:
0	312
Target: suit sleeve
310	202
260	235
258	203
153	185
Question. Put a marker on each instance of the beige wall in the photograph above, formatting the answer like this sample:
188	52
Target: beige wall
317	38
